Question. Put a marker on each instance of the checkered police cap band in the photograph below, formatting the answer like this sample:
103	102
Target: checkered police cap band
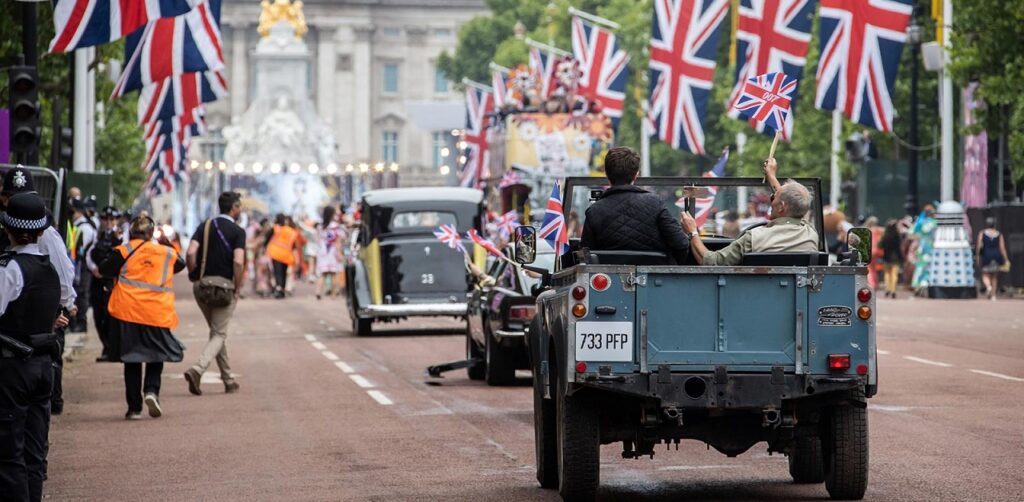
20	224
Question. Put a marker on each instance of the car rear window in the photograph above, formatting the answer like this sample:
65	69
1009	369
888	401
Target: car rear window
409	220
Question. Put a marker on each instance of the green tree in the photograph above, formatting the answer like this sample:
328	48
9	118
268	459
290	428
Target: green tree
987	47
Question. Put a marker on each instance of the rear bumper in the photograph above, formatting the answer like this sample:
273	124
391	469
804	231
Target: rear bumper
413	310
719	391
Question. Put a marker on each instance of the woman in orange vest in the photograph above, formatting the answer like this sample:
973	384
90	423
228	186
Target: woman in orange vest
281	249
142	313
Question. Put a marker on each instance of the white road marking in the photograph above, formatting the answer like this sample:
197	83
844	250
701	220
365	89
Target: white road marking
380	397
998	375
887	407
344	367
883	352
360	381
310	338
319	346
927	361
329	355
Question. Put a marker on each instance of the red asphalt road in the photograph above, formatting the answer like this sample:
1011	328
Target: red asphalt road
302	428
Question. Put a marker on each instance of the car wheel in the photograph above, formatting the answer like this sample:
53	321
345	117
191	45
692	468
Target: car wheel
476	371
500	370
846	453
805	461
361	327
545	433
579	447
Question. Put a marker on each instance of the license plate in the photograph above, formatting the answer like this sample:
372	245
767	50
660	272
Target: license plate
604	341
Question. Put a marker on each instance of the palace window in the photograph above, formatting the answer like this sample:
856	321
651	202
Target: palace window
440	81
391	78
389	146
438	144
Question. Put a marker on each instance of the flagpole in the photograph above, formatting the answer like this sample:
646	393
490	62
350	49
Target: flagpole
498	68
478	85
645	142
835	178
573	11
547	48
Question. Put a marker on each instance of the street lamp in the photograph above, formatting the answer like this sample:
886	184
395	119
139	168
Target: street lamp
914	35
445	170
257	168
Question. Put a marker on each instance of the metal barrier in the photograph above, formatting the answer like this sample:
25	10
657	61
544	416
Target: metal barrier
48	183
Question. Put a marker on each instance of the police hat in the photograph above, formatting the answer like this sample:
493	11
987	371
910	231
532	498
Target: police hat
25	211
78	205
110	212
18	180
91	202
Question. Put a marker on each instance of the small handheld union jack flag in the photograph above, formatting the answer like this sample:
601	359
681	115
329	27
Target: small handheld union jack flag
450	236
484	243
507	223
553	228
766	99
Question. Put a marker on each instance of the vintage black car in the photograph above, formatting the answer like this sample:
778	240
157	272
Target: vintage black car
402	270
498	317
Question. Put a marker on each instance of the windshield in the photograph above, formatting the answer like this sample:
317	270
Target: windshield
421	219
730	204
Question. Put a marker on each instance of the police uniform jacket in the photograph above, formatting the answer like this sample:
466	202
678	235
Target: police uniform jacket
29	293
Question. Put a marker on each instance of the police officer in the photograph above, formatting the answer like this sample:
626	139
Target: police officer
86	237
108	238
19	180
29	310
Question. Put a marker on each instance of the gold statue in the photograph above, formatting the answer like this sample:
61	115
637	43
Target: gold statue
282	10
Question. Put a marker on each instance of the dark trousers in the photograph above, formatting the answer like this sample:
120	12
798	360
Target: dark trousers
134	386
83	284
25	387
280	275
57	396
99	295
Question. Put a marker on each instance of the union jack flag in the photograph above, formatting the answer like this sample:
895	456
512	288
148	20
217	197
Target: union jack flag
172	46
766	99
85	23
553	228
603	65
507	223
510	178
450	236
478	107
702	205
500	90
179	94
177	140
861	44
177	123
484	243
543	65
772	36
166	167
684	37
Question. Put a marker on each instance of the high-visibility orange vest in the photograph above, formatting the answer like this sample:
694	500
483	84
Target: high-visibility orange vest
143	292
282	244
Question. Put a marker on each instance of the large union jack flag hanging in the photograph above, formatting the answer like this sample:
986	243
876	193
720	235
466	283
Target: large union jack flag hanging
179	94
861	43
766	99
603	67
771	36
85	23
166	167
172	46
702	205
553	228
684	37
499	89
478	106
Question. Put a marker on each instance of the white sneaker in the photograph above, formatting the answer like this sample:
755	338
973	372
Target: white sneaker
153	403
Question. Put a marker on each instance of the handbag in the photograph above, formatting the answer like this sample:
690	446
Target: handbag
215	291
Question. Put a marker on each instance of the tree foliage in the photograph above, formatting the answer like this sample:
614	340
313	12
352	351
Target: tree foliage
119	147
987	47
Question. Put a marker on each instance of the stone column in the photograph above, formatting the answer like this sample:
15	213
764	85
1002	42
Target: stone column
362	69
238	80
325	72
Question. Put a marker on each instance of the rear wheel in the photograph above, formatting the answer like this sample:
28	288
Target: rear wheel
805	462
545	434
846	453
361	327
579	446
475	371
500	370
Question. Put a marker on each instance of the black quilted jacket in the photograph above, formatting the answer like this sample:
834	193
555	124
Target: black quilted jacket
629	218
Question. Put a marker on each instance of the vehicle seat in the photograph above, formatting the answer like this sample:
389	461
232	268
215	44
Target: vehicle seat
785	259
626	258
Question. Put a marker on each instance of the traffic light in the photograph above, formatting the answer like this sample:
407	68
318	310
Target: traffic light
66	140
24	107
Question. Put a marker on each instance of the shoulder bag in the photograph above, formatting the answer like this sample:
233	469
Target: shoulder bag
215	291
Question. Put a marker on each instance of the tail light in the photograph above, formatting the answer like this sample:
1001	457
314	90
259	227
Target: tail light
600	282
579	310
864	295
579	292
864	312
521	312
839	362
862	369
581	367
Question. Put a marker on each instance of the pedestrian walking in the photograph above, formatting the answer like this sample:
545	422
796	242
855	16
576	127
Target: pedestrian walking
30	295
330	259
85	237
891	246
142	313
281	249
216	266
107	240
991	256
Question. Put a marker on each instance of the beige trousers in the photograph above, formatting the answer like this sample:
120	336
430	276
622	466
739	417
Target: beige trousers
218	320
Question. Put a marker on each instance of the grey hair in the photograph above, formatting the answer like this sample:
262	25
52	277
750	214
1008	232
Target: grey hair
796	197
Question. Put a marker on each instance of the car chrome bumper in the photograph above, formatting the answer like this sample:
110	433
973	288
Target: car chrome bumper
502	333
414	309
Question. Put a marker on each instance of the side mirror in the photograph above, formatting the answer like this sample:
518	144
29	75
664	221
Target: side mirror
859	241
524	250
